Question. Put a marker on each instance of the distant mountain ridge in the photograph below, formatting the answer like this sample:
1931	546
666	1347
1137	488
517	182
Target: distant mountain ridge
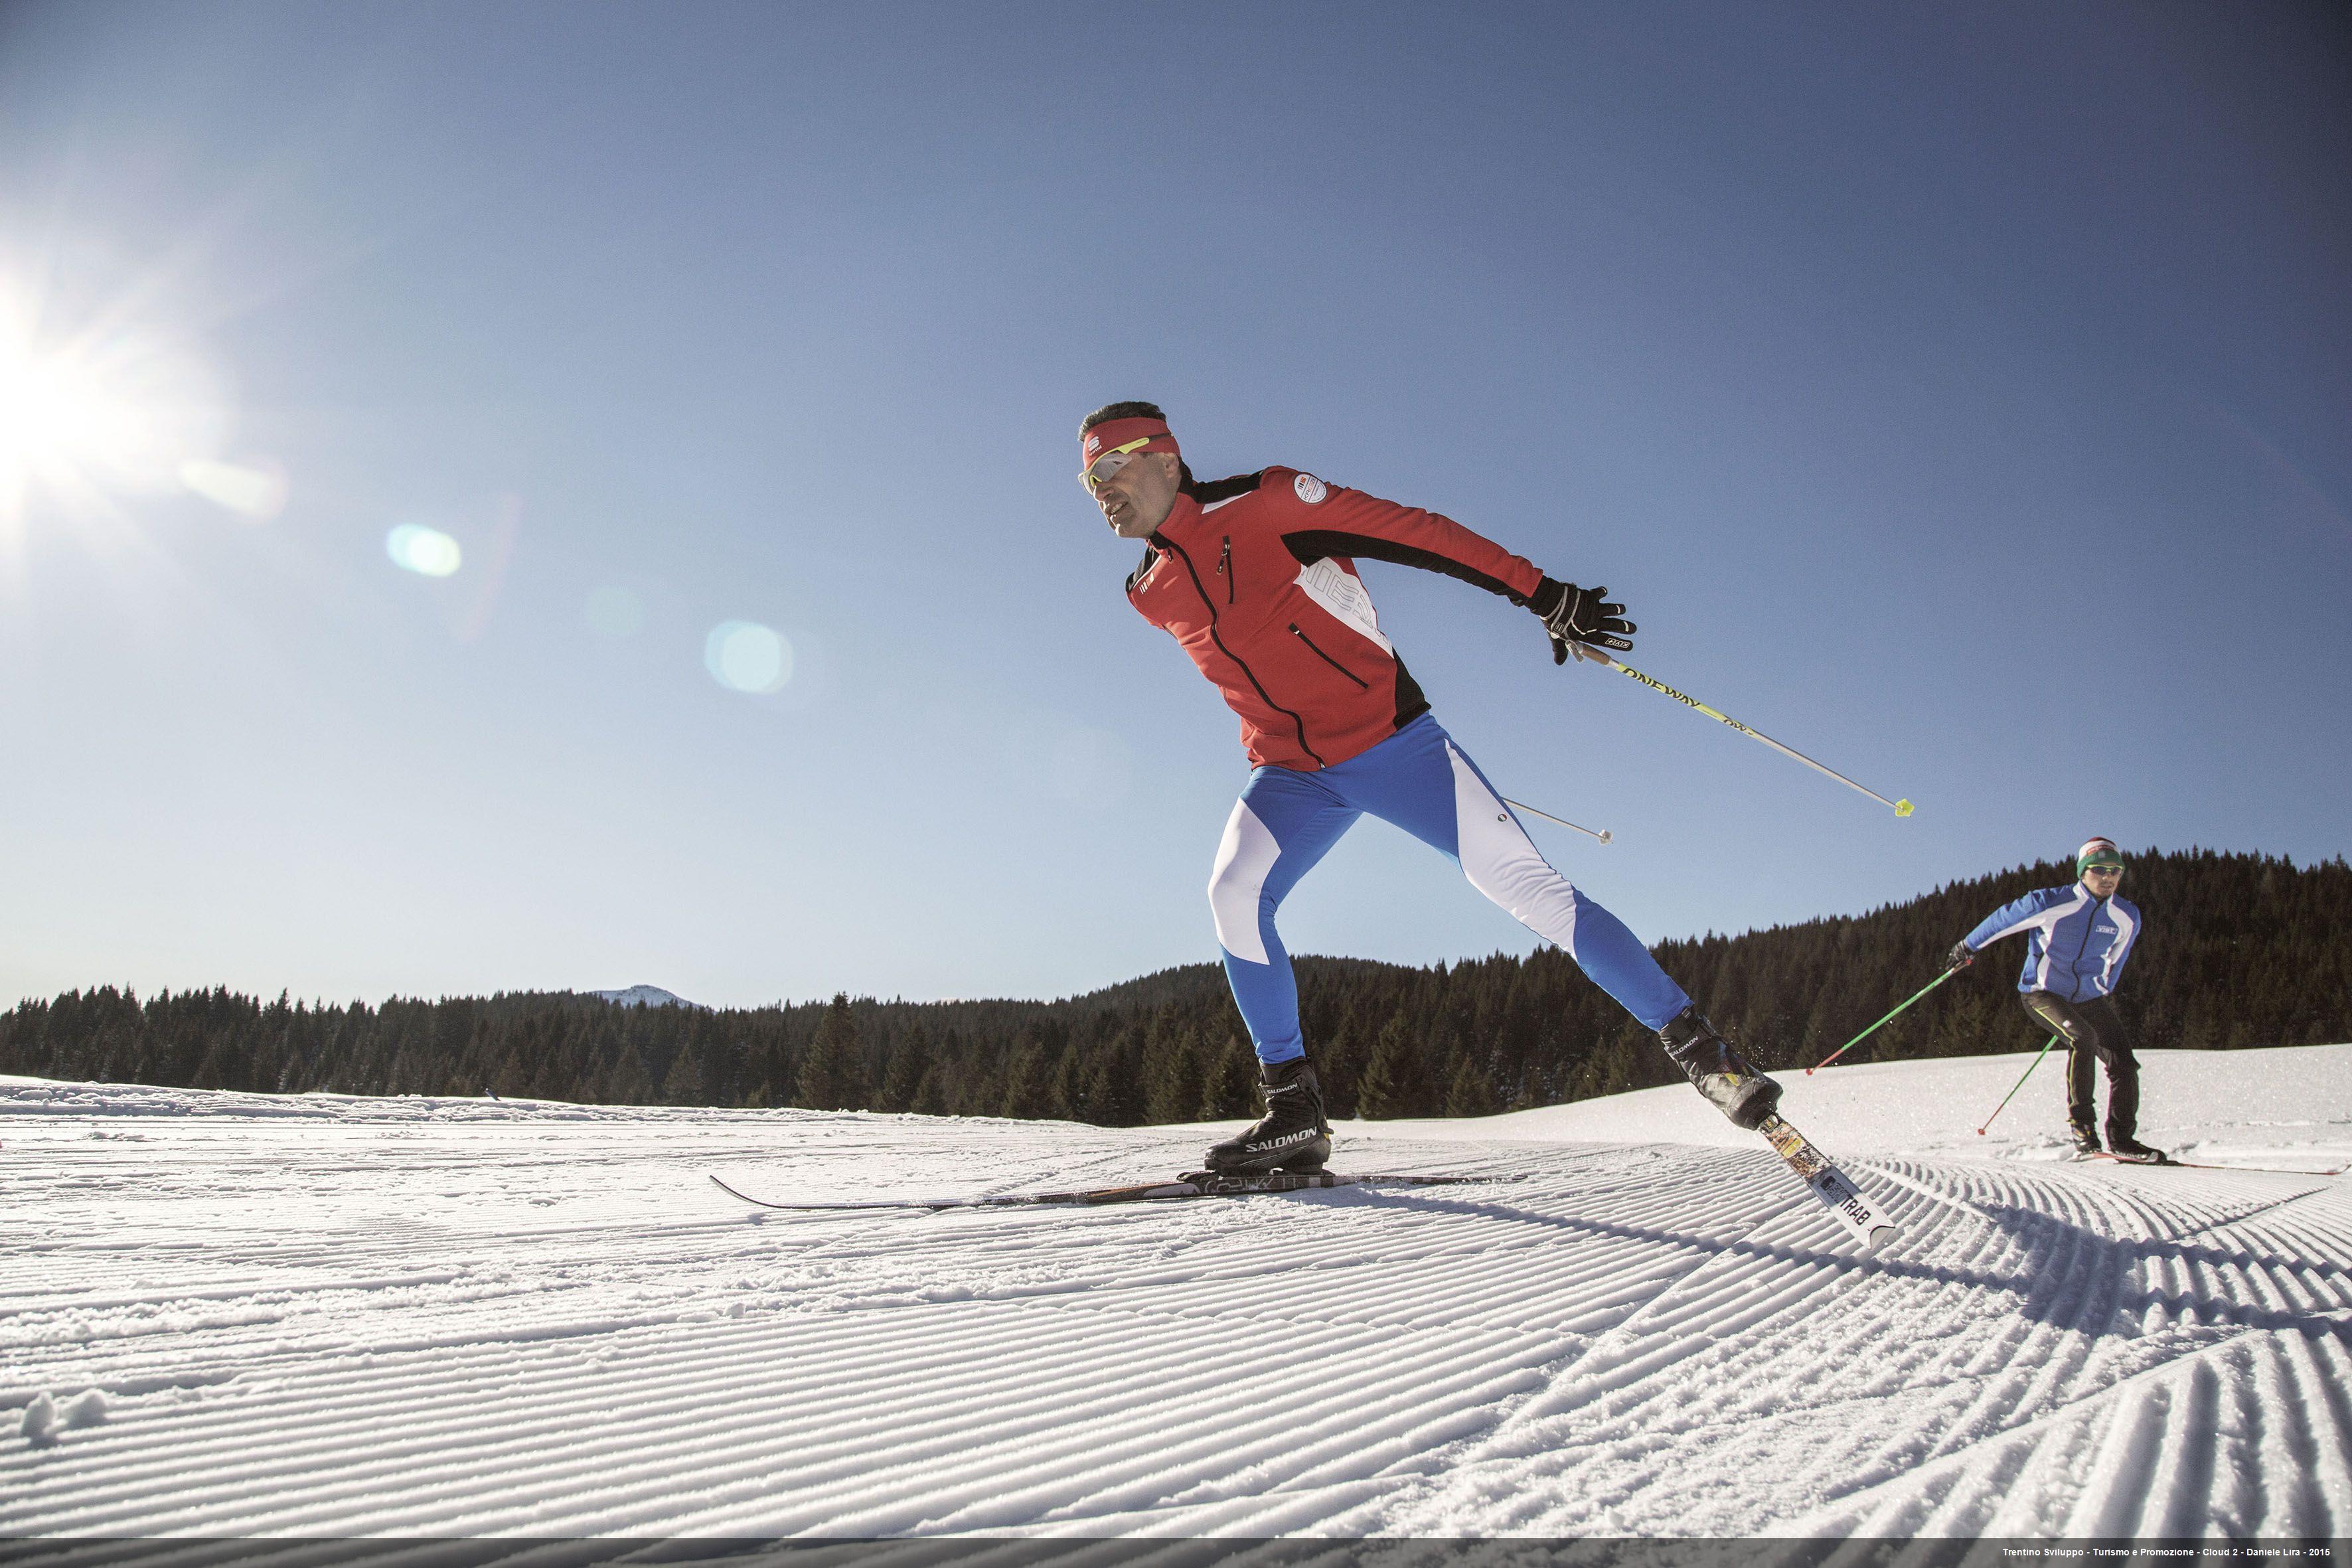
644	996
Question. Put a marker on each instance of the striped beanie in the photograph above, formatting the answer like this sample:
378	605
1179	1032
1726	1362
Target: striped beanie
2097	852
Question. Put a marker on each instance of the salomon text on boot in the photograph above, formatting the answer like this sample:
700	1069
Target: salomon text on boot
1291	1136
1717	1072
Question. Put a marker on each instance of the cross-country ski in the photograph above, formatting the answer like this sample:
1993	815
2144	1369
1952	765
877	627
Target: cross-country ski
2170	1163
1862	1219
1193	1184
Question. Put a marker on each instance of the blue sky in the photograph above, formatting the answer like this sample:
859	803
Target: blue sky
1963	396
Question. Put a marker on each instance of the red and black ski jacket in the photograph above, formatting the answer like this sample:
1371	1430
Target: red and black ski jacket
1255	576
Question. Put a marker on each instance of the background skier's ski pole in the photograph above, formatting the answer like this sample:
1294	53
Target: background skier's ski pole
1874	1027
1602	836
1900	807
2021	1082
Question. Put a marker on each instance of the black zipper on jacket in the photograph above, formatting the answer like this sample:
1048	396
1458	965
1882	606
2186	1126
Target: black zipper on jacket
1361	684
1224	559
2089	924
1194	572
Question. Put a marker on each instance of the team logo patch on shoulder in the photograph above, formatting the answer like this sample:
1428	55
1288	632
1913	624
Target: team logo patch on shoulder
1311	488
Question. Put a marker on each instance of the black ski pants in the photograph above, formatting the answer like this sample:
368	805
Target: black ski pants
2093	1029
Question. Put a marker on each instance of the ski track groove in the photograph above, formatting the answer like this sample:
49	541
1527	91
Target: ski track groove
572	1334
2062	1347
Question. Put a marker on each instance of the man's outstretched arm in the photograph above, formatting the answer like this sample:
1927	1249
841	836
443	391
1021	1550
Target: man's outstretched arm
2015	916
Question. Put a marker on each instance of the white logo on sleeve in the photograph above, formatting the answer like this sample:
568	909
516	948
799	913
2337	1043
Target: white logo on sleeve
1338	590
1311	488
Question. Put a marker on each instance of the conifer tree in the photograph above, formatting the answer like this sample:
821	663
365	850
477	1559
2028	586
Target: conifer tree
1229	1088
690	1069
1028	1078
1392	1084
909	1056
829	1071
1172	1069
1468	1093
1114	1083
1070	1099
1339	1067
632	1082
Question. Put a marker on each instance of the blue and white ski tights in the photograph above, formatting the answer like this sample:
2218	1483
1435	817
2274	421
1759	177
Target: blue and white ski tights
1287	820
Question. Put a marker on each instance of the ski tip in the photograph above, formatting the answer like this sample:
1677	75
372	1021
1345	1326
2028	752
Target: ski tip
729	1191
1880	1235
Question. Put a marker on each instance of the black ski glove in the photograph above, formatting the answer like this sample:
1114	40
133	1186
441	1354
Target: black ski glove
1960	957
1574	614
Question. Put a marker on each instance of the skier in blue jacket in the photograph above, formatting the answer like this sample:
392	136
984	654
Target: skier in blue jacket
2078	940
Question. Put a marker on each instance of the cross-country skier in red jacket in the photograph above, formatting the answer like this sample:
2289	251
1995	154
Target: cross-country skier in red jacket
1256	578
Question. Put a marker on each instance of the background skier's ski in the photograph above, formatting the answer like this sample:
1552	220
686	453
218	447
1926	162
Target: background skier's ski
2196	1165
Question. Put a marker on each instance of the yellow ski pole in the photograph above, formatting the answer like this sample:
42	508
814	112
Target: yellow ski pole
1900	807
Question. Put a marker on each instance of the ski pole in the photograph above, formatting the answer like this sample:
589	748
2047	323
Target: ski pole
1603	835
1901	807
2021	1082
1873	1028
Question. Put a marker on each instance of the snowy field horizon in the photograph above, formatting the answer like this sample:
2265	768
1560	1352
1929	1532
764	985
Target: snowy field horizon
240	1316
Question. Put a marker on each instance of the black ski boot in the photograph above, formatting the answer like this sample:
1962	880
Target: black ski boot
2086	1142
2126	1147
1291	1136
1717	1072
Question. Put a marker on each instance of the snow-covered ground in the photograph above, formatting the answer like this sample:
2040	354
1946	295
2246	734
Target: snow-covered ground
229	1315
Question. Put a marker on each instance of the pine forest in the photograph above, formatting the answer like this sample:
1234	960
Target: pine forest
2239	949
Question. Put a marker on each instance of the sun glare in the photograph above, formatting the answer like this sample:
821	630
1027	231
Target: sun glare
109	414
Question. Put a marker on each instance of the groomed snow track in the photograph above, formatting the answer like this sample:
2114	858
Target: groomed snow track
442	1319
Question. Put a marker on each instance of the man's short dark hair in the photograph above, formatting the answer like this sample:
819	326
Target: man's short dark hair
1134	409
1122	411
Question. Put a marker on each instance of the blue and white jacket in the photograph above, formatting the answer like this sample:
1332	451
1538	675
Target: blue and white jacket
2079	942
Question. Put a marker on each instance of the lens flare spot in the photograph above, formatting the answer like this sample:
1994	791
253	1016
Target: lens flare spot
614	612
254	491
427	551
744	655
